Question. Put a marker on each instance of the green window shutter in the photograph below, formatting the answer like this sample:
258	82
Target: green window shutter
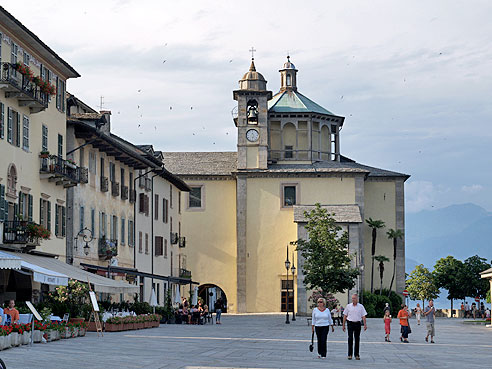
18	135
57	221
41	212
63	221
21	205
2	203
16	211
48	204
9	125
29	207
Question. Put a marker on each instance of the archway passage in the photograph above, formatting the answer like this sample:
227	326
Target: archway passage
211	293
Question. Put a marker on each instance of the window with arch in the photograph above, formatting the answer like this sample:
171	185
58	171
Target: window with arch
289	140
325	143
288	80
252	111
12	180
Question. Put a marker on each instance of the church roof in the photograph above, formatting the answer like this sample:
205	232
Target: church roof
225	164
343	213
294	102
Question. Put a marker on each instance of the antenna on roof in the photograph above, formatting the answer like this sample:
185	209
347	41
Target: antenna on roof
101	104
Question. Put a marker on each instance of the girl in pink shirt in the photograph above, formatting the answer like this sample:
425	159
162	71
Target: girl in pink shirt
387	325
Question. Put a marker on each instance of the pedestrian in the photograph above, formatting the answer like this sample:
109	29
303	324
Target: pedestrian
430	314
467	310
334	315
353	314
339	314
487	313
321	321
403	315
13	312
474	310
482	310
418	311
219	305
387	325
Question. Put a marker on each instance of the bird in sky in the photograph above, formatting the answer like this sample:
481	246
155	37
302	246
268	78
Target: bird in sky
163	61
230	61
139	90
170	108
341	97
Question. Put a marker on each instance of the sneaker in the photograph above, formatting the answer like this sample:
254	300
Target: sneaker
432	342
349	357
357	358
426	339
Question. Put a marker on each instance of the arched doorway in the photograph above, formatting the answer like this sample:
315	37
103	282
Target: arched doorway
210	293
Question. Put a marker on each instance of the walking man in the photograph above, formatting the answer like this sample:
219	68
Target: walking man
430	314
352	315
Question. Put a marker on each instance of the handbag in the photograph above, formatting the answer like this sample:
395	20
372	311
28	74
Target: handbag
311	346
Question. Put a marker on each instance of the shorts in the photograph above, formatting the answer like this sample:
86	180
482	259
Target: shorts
430	329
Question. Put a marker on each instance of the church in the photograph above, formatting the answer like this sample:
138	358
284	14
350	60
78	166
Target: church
246	207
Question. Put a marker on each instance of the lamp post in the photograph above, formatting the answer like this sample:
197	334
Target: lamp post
293	270
287	266
87	238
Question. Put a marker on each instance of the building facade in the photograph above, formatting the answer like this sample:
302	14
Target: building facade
245	207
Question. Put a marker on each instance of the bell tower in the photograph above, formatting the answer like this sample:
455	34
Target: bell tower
251	122
288	76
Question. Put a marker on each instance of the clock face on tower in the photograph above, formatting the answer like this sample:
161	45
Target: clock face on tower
252	135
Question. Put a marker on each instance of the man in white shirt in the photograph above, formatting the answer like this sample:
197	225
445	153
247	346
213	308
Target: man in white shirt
353	314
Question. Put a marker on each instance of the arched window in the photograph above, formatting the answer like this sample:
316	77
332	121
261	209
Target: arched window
325	143
289	140
252	111
12	180
289	80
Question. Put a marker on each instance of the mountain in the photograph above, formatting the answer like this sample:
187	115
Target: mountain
460	230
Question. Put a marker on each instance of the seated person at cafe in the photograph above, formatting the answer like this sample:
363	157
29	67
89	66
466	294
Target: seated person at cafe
13	312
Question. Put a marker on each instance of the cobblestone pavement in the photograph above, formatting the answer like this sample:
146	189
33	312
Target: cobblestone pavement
260	341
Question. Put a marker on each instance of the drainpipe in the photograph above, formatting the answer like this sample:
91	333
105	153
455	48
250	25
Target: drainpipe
152	227
135	218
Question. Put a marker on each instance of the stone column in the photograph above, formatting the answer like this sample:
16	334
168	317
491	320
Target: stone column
241	200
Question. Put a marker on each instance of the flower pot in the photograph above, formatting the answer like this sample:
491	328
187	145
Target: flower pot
15	339
77	320
92	327
50	335
4	342
81	332
75	332
37	336
109	327
66	333
26	338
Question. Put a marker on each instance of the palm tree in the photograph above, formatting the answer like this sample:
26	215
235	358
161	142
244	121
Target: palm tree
394	235
381	259
374	224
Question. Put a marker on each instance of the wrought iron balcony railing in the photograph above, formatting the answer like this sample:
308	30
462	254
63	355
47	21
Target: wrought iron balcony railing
84	175
115	189
182	242
174	238
16	232
60	171
184	273
17	85
104	184
133	196
107	248
124	192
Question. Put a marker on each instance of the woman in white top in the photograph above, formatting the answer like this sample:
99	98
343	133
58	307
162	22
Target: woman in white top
321	321
418	311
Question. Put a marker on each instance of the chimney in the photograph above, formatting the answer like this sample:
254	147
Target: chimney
107	115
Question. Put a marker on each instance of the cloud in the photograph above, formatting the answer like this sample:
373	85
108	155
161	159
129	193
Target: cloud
423	195
472	188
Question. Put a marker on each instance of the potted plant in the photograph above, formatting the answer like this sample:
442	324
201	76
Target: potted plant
39	329
26	336
44	154
5	337
16	334
71	164
37	231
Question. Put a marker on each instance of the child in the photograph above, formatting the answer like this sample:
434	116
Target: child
387	325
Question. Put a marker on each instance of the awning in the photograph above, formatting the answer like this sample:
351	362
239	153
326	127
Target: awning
101	284
9	261
46	276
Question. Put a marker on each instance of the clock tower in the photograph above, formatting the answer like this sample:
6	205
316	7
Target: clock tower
251	121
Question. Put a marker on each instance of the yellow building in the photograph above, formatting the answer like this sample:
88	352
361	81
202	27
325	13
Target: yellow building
245	207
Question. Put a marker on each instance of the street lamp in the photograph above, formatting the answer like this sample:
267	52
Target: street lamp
86	238
293	270
287	266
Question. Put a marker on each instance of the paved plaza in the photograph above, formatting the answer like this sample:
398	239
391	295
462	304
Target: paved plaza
260	341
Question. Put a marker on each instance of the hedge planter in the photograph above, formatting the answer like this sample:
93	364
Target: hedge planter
26	338
37	336
66	333
51	335
15	339
112	327
75	332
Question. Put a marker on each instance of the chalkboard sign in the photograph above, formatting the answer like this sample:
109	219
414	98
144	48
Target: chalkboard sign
94	300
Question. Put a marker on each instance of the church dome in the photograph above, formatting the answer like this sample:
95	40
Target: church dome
288	65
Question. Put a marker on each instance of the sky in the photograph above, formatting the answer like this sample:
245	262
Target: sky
412	78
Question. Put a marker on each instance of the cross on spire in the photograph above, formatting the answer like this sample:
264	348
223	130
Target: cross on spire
252	50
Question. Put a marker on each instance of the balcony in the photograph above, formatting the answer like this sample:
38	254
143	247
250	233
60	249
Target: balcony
124	192
16	232
184	273
104	184
133	196
182	242
148	184
107	248
60	171
84	175
174	238
289	154
115	189
19	86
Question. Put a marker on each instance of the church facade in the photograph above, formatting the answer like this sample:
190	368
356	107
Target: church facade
245	207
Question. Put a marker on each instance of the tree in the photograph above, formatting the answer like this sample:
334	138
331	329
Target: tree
375	225
421	284
326	260
449	274
394	235
475	285
381	259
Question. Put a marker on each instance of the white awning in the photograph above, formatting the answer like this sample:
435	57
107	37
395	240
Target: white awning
46	276
8	261
101	284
